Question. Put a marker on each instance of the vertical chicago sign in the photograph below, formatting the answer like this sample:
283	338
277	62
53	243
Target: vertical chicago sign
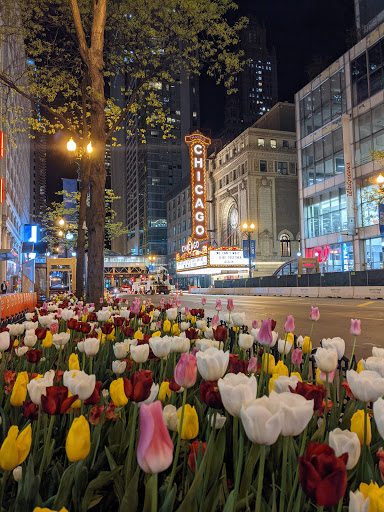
198	144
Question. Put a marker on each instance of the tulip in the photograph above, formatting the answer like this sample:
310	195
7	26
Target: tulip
212	363
307	345
38	387
368	498
15	447
95	397
218	305
315	314
140	353
220	420
78	443
297	411
289	325
215	321
367	386
203	301
155	448
252	365
171	314
210	394
18	473
323	476
54	328
377	352
153	392
33	356
30	340
297	356
237	365
179	344
161	347
47	341
91	346
374	364
255	324
268	362
60	340
73	362
282	383
56	400
326	360
337	344
236	391
281	369
264	335
284	347
378	414
30	410
117	392
190	428
164	391
119	367
141	384
79	383
310	392
344	441
238	319
230	305
185	372
261	422
245	341
170	417
195	449
355	327
357	426
19	391
4	341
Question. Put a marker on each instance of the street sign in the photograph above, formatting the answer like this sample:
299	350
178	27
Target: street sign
253	249
381	218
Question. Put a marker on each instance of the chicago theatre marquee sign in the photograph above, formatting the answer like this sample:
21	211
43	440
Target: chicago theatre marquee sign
198	257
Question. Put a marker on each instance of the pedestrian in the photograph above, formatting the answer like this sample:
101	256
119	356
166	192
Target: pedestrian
3	287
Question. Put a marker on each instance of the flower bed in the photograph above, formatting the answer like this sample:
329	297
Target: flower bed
137	407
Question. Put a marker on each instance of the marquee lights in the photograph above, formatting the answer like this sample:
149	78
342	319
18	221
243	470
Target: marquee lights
1	190
2	148
198	153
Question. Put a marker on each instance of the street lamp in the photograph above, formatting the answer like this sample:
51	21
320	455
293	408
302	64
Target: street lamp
380	180
248	230
61	222
71	145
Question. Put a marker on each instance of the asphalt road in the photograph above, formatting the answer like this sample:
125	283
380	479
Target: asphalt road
335	315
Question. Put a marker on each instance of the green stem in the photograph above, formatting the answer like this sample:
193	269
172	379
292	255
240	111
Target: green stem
90	364
296	481
340	505
37	434
283	473
364	454
353	352
261	376
239	465
46	444
260	478
132	439
325	413
154	493
176	457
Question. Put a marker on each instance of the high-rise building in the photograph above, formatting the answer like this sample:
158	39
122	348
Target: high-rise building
39	175
143	171
256	84
339	124
368	15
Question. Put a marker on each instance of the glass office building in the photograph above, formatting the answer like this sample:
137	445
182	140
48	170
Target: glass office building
339	119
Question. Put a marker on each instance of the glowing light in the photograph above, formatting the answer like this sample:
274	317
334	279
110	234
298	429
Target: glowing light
60	233
380	179
69	236
1	190
61	222
89	147
2	148
71	145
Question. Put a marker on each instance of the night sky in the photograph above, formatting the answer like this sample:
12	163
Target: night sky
306	34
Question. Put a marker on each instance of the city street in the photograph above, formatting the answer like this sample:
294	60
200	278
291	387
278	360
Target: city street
335	315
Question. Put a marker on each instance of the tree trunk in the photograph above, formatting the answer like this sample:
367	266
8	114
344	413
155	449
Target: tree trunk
80	249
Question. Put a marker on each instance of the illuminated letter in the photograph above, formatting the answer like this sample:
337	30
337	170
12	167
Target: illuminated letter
198	162
200	230
198	149
199	203
199	216
198	175
199	189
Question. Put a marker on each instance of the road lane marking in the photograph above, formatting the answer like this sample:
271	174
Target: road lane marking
364	304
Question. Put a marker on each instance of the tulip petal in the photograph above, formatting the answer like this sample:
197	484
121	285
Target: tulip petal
332	488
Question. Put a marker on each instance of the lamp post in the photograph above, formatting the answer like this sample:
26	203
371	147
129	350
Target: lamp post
248	229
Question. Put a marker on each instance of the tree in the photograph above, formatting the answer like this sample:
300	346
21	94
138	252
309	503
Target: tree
76	46
375	193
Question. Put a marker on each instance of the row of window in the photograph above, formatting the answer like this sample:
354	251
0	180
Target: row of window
180	199
367	73
181	227
273	143
325	214
232	176
182	211
369	134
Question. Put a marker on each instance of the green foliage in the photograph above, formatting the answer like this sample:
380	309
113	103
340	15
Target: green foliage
375	194
67	209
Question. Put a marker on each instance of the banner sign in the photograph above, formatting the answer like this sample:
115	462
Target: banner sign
351	222
221	258
253	249
381	218
198	153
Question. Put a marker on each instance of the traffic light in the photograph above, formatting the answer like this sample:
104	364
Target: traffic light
142	278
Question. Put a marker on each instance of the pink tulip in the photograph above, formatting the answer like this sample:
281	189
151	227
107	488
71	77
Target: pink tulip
54	328
355	327
85	310
218	305
45	305
92	304
178	303
252	365
101	300
230	305
186	311
331	376
297	356
186	371
289	325
155	448
159	324
203	301
255	324
264	336
315	314
135	307
58	313
195	351
215	321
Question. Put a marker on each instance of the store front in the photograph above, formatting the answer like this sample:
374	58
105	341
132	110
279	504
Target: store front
373	252
333	257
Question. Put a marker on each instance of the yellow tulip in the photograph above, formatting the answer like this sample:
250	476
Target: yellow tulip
68	331
360	367
84	318
357	426
156	334
164	391
188	317
269	364
190	427
76	404
375	495
271	386
290	338
193	320
319	382
15	447
143	308
116	390
47	341
297	375
45	509
175	330
19	391
73	362
281	369
99	335
78	443
307	345
166	326
111	336
138	335
16	343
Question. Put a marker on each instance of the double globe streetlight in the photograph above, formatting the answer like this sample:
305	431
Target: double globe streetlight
72	146
248	229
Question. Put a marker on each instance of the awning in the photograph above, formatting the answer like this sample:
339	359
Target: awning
8	254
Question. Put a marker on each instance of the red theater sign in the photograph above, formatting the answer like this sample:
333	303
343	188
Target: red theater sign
198	144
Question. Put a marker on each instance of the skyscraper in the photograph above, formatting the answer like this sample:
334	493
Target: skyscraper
256	84
144	171
368	14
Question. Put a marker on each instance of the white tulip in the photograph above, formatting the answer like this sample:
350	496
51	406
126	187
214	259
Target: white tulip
262	422
344	441
245	341
46	321
29	316
81	346
156	313
31	325
282	383
21	351
170	417
60	339
367	386
201	324
357	502
119	367
337	344
30	341
238	319
103	316
296	409
300	341
284	347
218	344
15	329
237	390
171	314
180	344
220	420
326	360
67	314
91	346
18	473
4	341
374	364
184	326
140	353
212	363
378	414
208	333
152	396
38	387
377	352
153	326
120	350
205	345
79	383
161	347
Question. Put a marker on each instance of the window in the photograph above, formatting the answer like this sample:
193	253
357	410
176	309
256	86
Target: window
260	142
234	174
325	214
242	169
367	73
183	196
174	230
227	179
221	184
179	228
179	244
174	246
369	134
263	166
286	144
178	199
178	212
273	143
282	168
184	225
189	223
174	215
183	210
285	246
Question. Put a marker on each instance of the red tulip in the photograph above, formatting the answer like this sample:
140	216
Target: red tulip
236	365
323	476
191	333
220	333
173	385
95	397
118	321
210	394
72	323
30	410
33	356
56	400
194	453
40	333
310	391
141	385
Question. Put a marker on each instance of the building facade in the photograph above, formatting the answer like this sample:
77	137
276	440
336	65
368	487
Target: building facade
252	179
369	14
340	123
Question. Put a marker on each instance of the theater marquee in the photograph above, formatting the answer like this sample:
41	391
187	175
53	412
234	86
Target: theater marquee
198	153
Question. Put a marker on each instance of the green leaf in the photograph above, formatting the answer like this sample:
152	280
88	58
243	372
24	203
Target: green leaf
118	482
130	501
169	500
318	436
104	478
64	492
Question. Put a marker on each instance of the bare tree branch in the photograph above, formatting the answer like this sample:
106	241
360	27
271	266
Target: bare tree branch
83	47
